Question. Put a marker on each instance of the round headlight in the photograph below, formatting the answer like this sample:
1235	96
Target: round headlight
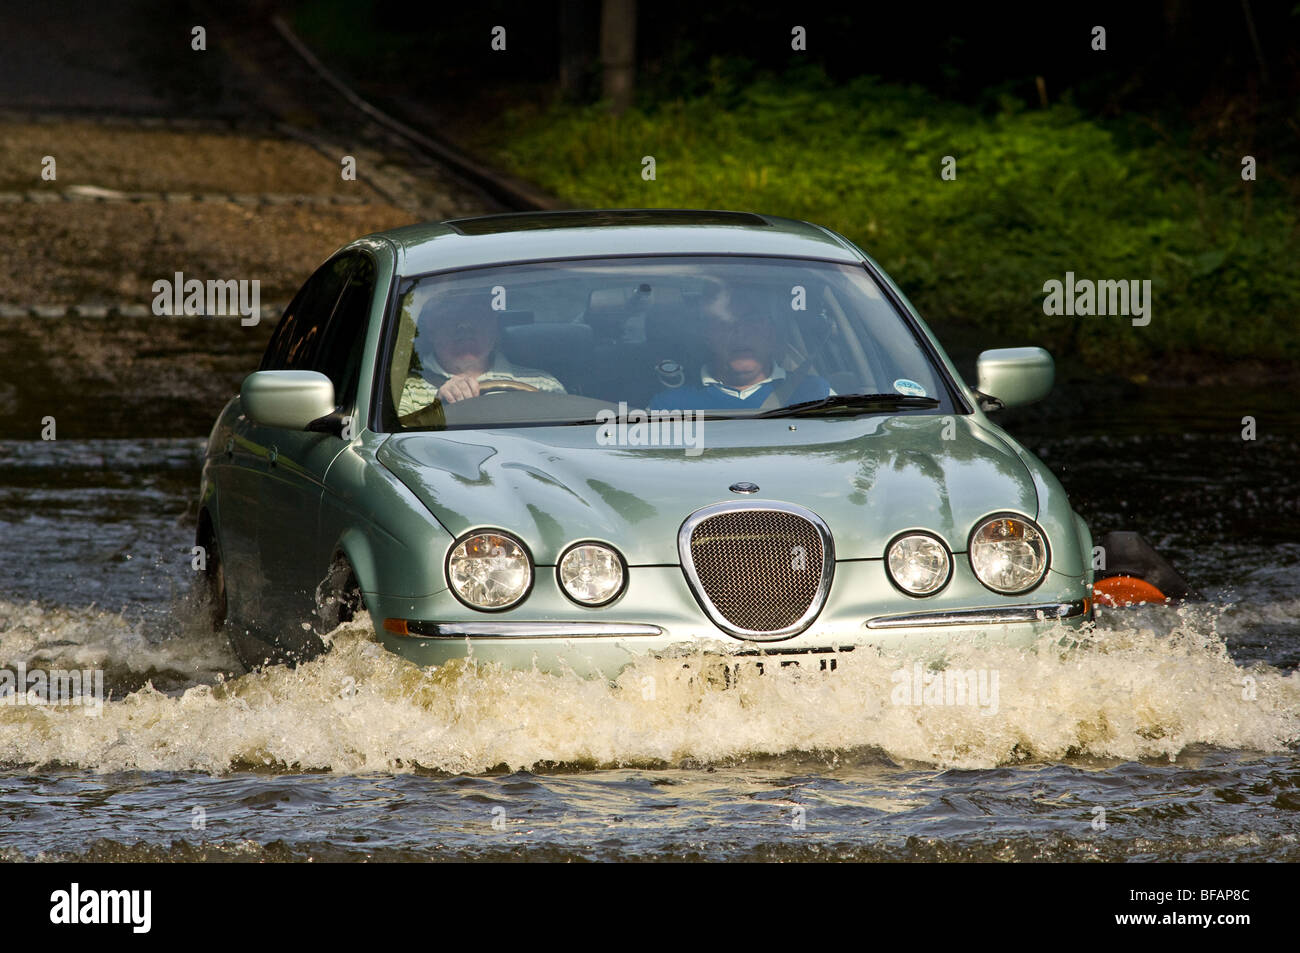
1008	554
919	564
489	571
591	573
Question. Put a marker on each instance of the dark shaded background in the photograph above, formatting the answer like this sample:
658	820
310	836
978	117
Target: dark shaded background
1182	61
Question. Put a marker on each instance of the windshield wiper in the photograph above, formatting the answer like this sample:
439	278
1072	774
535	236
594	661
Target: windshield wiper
660	417
833	404
851	402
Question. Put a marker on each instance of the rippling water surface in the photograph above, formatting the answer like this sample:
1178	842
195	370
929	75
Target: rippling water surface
1168	734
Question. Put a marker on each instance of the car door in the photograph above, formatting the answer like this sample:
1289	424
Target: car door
248	451
291	548
280	497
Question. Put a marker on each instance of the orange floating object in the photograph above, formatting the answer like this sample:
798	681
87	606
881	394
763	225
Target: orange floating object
1118	591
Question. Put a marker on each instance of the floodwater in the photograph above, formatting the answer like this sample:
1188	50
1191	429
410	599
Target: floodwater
1170	734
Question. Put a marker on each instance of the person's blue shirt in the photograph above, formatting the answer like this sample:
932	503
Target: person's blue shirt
712	394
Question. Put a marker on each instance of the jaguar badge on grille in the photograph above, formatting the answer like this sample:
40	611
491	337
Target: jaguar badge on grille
744	488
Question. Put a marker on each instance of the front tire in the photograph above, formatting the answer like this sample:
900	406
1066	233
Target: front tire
338	597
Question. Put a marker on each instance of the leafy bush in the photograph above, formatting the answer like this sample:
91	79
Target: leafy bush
1037	193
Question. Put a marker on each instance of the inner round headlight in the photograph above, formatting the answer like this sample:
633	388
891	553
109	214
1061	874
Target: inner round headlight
919	564
489	570
1008	554
591	573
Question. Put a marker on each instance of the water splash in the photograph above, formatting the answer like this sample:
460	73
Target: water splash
1145	685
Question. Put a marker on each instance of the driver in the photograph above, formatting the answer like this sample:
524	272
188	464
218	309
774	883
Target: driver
464	333
744	340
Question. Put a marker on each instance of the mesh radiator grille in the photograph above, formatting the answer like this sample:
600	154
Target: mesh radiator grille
761	569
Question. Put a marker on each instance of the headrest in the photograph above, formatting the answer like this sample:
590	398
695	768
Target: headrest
512	318
549	345
607	302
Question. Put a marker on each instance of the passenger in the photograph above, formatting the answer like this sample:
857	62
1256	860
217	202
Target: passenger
464	335
744	340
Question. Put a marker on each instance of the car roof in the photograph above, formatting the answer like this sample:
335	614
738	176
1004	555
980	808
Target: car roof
596	233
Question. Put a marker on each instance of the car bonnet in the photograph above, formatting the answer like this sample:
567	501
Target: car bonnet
869	478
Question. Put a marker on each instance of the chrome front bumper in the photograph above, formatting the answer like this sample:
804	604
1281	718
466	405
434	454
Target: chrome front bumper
988	615
991	615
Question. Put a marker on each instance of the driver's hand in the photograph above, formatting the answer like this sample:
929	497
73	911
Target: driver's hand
459	387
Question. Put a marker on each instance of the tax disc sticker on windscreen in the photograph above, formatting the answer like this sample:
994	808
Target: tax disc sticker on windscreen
910	388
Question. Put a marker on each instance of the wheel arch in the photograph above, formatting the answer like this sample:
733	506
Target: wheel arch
356	549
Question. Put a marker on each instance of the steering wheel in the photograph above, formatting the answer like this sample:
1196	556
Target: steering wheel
433	415
430	415
501	386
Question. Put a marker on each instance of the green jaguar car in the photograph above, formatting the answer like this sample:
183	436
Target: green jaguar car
566	440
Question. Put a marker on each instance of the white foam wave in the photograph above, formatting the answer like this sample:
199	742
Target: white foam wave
1134	691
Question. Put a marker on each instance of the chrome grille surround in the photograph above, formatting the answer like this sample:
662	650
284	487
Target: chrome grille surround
765	604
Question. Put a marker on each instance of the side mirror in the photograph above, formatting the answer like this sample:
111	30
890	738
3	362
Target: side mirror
1012	376
289	399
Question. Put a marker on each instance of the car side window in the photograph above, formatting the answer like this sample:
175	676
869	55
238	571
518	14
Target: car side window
338	355
296	338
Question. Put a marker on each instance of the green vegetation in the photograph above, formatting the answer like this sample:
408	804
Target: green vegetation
1038	192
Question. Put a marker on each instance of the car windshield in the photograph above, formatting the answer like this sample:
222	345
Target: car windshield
569	342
